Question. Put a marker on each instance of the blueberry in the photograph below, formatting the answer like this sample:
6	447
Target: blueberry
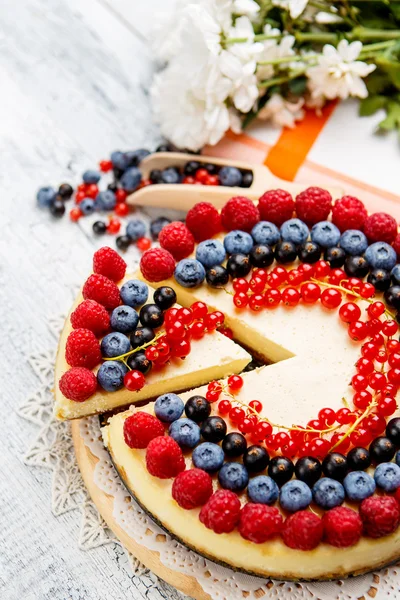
155	176
356	266
91	176
285	252
131	179
136	229
353	242
309	252
65	191
134	293
210	253
263	490
247	179
335	466
325	233
119	160
295	495
151	315
45	196
142	336
157	225
308	469
189	273
393	431
197	408
123	242
280	469
392	296
261	256
213	429
168	408
294	230
185	432
238	265
217	276
139	362
381	256
387	476
105	201
233	476
238	242
135	157
380	279
265	232
230	176
57	208
124	319
208	456
359	485
115	344
358	459
170	175
111	375
328	493
382	450
99	227
234	444
87	206
256	459
164	297
395	274
335	256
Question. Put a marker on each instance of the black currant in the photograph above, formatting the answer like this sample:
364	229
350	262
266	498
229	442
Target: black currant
213	429
335	466
155	176
164	297
308	469
57	208
393	431
285	252
151	315
139	362
211	169
123	242
380	279
99	227
392	296
247	179
112	187
217	276
191	167
164	148
358	459
335	256
157	225
142	336
256	459
280	469
117	173
356	266
309	252
234	444
197	408
261	255
238	265
382	450
65	191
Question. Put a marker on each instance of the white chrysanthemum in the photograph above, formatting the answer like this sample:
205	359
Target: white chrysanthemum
281	112
249	8
295	7
338	73
273	51
166	32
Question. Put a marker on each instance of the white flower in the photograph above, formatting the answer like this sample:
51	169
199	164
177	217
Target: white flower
281	112
166	32
338	74
295	7
249	8
273	51
327	18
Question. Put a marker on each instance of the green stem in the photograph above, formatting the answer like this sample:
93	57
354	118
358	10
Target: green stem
261	37
278	80
122	357
359	33
286	59
377	46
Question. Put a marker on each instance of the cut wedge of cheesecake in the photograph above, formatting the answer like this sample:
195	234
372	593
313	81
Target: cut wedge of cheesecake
212	357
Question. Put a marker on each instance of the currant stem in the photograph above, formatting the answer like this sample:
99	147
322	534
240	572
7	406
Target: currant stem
355	424
121	357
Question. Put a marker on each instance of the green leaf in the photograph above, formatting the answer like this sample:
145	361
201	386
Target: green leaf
370	105
298	86
395	8
392	120
377	82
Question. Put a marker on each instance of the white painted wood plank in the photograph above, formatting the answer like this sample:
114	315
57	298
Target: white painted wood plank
138	15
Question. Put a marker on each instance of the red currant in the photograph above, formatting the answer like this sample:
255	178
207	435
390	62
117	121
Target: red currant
360	437
226	332
387	406
120	195
381	357
224	407
105	165
263	430
343	416
256	405
377	381
331	298
281	438
291	296
393	346
367	290
369	350
199	310
143	244
246	425
176	331
321	269
197	330
319	448
272	298
290	449
362	399
339	442
212	180
376	309
295	277
214	320
349	312
122	209
152	353
235	383
358	331
185	316
240	300
257	284
337	276
281	272
236	415
377	339
390	328
364	366
310	293
327	416
376	423
201	175
394	376
271	442
75	214
240	285
189	180
256	302
79	196
114	225
134	381
307	270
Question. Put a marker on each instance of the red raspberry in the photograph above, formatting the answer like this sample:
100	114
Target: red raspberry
239	213
192	488
204	221
157	264
303	530
276	206
349	213
89	314
380	227
78	384
222	512
258	522
396	245
102	290
82	349
107	262
177	239
380	515
313	205
342	527
164	458
140	428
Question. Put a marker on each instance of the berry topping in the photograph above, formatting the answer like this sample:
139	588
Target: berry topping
111	375
177	239
255	459
342	527
107	262
328	493
280	469
233	476
102	290
222	512
185	432
234	444
313	205
380	515
192	488
203	220
82	349
208	456
164	297
294	231
263	490
238	242
387	476
157	264
349	213
276	206
259	522
359	485
91	315
164	458
239	213
213	429
197	408
189	273
140	428
380	227
308	469
134	381
302	531
295	495
78	384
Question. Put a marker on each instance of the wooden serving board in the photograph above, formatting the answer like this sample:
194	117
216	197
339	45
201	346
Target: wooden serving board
104	504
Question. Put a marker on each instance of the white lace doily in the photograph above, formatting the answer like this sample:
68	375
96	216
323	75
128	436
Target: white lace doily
53	449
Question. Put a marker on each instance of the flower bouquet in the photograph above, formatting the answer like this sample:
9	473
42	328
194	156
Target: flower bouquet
225	62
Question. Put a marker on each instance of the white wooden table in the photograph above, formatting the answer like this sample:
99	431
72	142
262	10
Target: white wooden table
74	78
